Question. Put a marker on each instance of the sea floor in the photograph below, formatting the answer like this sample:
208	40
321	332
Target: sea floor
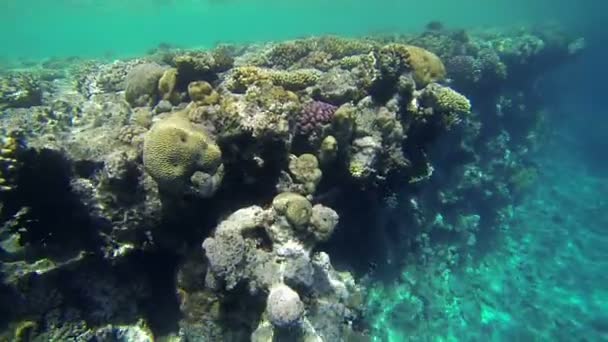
544	280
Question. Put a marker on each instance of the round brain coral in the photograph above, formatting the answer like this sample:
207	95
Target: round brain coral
174	149
296	208
424	65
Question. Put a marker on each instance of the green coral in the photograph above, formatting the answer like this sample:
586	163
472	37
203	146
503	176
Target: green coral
305	170
174	149
296	208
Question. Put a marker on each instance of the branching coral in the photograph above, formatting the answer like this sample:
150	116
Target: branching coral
445	102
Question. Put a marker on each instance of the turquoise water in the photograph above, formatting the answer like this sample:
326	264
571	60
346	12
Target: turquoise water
39	29
493	229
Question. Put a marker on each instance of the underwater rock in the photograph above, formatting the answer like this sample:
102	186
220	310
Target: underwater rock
96	78
201	65
142	84
364	156
20	90
284	307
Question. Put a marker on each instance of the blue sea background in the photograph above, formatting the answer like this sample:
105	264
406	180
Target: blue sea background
570	253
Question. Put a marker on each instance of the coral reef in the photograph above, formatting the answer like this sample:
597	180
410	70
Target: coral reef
272	251
20	90
194	195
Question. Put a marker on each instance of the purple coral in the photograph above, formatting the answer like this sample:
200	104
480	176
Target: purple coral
314	115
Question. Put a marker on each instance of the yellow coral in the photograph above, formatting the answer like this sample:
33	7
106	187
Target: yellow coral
328	150
296	208
242	77
357	169
25	331
425	66
294	80
202	93
450	101
10	148
174	149
166	85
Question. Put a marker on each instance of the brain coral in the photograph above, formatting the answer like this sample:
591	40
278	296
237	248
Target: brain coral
425	66
174	149
296	208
